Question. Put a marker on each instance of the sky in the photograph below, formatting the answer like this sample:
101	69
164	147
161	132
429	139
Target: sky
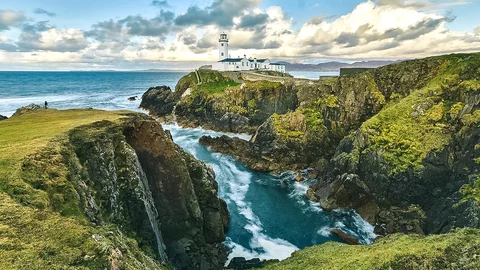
167	34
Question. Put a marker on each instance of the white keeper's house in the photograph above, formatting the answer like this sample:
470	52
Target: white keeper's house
226	63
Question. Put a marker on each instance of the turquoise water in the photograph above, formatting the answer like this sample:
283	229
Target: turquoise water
270	215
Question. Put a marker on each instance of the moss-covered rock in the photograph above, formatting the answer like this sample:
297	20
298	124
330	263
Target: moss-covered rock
421	149
215	99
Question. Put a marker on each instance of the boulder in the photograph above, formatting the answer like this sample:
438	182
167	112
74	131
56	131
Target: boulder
133	98
159	101
29	108
349	239
347	191
233	122
240	263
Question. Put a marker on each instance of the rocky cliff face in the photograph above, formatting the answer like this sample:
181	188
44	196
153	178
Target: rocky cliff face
223	101
121	193
422	151
399	144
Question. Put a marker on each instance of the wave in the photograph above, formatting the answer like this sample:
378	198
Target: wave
249	238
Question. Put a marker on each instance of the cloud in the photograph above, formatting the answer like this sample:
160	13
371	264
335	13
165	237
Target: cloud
122	30
139	26
422	4
381	29
252	20
220	12
44	12
44	37
160	3
9	18
319	19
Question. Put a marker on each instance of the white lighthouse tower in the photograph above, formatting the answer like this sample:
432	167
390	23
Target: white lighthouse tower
223	47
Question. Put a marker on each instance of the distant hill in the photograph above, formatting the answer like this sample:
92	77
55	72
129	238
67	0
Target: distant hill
334	65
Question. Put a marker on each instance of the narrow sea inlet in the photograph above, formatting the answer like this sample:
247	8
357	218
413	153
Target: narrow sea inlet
270	215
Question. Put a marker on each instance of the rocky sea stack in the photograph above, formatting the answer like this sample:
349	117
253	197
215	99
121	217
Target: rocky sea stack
104	190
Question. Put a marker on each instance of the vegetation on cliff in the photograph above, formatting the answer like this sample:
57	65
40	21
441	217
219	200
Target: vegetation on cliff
81	189
42	224
226	101
456	250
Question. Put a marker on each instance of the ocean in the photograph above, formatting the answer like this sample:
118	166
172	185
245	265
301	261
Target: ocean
270	215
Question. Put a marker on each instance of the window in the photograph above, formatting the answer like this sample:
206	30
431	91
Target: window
222	53
243	64
222	44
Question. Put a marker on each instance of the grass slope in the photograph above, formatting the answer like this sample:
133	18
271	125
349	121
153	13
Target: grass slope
41	225
457	250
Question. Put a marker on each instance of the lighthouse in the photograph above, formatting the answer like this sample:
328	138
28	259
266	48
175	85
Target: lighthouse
223	47
226	63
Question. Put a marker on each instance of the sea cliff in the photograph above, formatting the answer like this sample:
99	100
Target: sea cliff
88	189
399	144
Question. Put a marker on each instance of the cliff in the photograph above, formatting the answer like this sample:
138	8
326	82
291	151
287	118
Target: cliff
88	189
225	101
399	144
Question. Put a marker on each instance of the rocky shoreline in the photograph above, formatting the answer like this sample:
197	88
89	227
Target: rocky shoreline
334	128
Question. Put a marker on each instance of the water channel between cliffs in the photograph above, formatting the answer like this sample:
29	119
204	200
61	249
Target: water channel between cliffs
270	215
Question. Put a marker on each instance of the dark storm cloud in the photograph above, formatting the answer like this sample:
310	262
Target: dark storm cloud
250	21
220	12
44	12
9	18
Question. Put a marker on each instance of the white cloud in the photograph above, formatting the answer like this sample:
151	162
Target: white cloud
384	29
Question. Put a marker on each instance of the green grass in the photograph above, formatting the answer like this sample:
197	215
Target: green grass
213	88
422	122
31	145
471	192
41	223
456	250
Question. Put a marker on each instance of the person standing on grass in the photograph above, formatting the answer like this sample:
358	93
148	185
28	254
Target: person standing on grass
46	105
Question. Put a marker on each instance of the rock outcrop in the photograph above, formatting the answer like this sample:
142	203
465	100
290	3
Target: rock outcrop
225	101
159	101
3	117
30	108
349	239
